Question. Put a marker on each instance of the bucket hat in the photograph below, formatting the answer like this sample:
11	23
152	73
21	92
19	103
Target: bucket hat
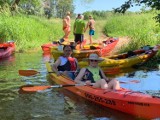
94	56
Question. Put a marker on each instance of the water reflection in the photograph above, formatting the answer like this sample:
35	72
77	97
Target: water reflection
58	104
91	110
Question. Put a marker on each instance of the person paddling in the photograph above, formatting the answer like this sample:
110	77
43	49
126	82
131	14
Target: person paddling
66	64
93	75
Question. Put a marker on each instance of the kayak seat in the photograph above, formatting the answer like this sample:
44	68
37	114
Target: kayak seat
130	53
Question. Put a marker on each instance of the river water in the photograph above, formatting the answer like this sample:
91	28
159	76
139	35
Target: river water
59	104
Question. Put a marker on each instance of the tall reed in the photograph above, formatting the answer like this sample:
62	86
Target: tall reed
141	28
29	31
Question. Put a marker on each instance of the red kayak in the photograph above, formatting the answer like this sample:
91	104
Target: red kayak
7	49
46	47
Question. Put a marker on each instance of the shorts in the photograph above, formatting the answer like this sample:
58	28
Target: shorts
91	32
71	75
78	38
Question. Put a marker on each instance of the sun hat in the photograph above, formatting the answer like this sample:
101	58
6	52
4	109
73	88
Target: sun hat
94	56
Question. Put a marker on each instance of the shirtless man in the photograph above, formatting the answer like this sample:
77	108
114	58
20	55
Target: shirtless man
66	26
90	24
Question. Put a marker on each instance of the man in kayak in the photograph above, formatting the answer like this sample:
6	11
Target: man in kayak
93	75
66	64
91	27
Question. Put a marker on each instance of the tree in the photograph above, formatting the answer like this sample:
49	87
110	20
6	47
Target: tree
153	4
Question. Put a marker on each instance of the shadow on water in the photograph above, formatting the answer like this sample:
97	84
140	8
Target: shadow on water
58	104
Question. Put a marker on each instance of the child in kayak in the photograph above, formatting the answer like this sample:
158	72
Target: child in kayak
93	75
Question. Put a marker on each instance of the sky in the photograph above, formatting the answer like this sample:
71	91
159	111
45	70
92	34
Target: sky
99	5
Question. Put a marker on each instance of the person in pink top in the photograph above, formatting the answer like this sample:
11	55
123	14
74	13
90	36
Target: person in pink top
67	26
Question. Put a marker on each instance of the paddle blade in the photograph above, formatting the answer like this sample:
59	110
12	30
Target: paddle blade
135	81
32	89
27	72
132	81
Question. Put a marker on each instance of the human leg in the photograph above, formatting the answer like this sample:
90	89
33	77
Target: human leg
91	33
101	84
66	33
77	40
114	84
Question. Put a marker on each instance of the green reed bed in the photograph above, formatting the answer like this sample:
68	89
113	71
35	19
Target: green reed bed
141	28
28	31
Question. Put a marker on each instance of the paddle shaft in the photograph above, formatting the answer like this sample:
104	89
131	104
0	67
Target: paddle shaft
32	88
32	72
69	85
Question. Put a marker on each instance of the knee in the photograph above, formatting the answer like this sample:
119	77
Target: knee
115	81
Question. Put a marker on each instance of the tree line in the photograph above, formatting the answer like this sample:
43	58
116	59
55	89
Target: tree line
58	8
48	8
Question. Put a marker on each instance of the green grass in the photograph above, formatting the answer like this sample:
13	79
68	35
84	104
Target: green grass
141	28
29	32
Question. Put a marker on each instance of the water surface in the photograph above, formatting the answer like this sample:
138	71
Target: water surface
58	104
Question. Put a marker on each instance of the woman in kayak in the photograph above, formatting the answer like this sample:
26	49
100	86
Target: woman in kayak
66	64
93	75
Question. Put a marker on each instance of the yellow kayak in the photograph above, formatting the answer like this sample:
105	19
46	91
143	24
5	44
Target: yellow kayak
100	49
124	60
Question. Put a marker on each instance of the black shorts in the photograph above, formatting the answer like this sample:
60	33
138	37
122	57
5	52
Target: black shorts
78	38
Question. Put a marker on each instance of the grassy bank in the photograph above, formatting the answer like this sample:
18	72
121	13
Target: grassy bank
29	32
141	28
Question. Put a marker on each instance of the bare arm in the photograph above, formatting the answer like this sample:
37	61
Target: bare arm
55	65
80	76
74	27
77	64
104	76
87	26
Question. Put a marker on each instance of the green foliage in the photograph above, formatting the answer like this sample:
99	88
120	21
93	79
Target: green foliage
28	31
141	28
47	8
98	15
154	4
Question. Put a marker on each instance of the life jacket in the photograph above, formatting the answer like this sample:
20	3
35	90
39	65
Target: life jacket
73	65
70	64
92	74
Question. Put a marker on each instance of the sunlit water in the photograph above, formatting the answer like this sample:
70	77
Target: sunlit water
58	104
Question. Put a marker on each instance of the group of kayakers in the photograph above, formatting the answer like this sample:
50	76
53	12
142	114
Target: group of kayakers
90	75
79	28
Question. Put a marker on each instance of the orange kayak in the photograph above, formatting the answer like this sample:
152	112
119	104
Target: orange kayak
54	45
131	102
101	49
7	49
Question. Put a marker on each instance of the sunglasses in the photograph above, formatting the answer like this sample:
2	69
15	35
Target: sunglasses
94	60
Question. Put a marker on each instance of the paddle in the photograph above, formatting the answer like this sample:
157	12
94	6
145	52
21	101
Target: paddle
132	81
32	88
29	72
34	72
